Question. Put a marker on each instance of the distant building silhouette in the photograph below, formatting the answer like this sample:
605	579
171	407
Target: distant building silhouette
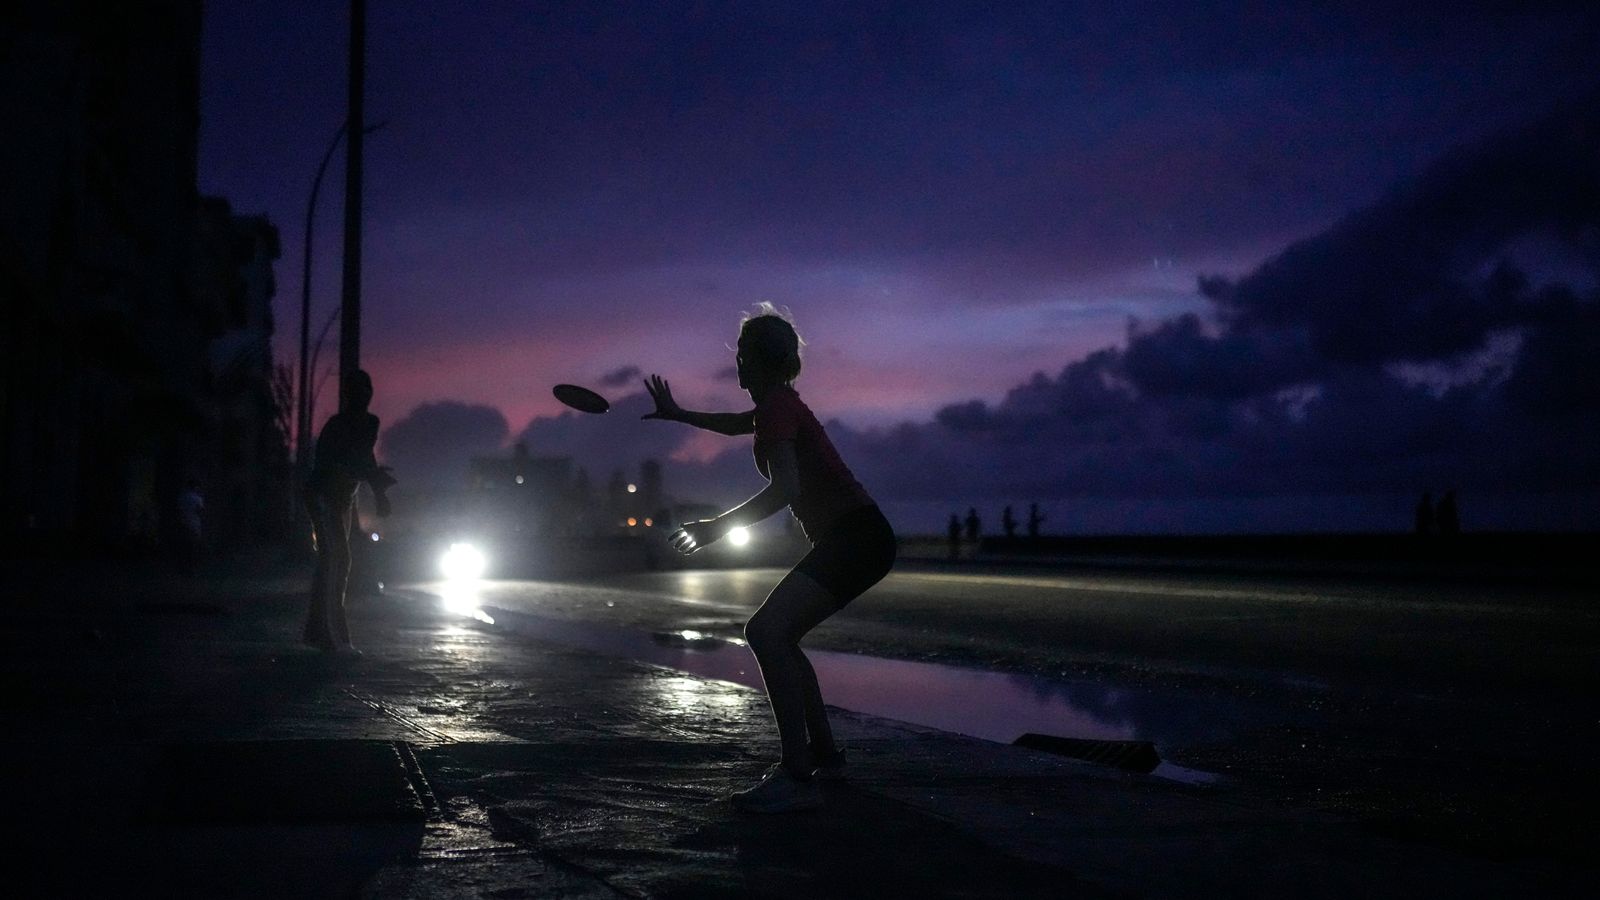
247	429
546	495
651	496
583	501
524	494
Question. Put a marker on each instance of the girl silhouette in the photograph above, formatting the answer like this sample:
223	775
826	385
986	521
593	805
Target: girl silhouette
852	548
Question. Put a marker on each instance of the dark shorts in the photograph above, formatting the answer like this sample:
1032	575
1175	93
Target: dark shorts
853	555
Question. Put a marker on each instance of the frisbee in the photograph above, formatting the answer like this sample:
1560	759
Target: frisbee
581	398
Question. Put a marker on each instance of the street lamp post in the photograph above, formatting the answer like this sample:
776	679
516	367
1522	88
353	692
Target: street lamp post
303	407
302	457
349	310
350	314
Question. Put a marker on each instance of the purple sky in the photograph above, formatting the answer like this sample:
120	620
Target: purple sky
950	198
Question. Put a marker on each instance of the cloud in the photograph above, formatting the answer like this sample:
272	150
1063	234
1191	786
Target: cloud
431	446
620	377
1178	356
1554	374
1294	384
1402	280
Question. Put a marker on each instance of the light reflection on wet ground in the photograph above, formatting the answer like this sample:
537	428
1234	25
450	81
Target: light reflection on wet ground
996	706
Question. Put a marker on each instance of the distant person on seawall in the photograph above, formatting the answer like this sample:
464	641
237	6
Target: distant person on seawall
1425	516
852	548
344	459
1449	517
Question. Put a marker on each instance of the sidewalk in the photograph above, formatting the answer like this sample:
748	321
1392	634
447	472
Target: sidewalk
172	739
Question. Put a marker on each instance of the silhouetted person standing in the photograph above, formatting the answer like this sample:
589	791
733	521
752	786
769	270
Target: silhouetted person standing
974	525
1034	520
955	536
1424	524
1009	523
1448	518
344	459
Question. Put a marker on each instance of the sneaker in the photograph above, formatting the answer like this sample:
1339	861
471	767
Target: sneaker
778	792
830	767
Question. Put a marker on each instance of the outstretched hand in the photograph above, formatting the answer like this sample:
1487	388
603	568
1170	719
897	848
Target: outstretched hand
691	536
661	392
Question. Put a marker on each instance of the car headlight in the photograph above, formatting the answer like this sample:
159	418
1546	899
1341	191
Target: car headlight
463	562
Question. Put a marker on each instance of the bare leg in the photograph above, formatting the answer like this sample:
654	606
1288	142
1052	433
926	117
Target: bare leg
325	618
819	732
797	605
317	608
338	627
316	631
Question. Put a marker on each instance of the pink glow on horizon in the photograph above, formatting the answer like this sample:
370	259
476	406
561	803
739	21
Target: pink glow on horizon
882	348
852	374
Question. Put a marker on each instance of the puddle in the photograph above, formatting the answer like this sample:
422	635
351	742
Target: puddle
995	706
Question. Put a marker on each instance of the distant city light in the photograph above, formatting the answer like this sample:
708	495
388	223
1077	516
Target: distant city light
374	535
519	479
739	537
633	489
648	523
632	521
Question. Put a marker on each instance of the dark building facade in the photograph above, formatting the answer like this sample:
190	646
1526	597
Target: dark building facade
243	460
113	314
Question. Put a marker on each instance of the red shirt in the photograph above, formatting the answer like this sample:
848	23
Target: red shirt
827	489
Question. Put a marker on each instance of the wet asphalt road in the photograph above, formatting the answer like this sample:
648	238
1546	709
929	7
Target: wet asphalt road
1452	712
